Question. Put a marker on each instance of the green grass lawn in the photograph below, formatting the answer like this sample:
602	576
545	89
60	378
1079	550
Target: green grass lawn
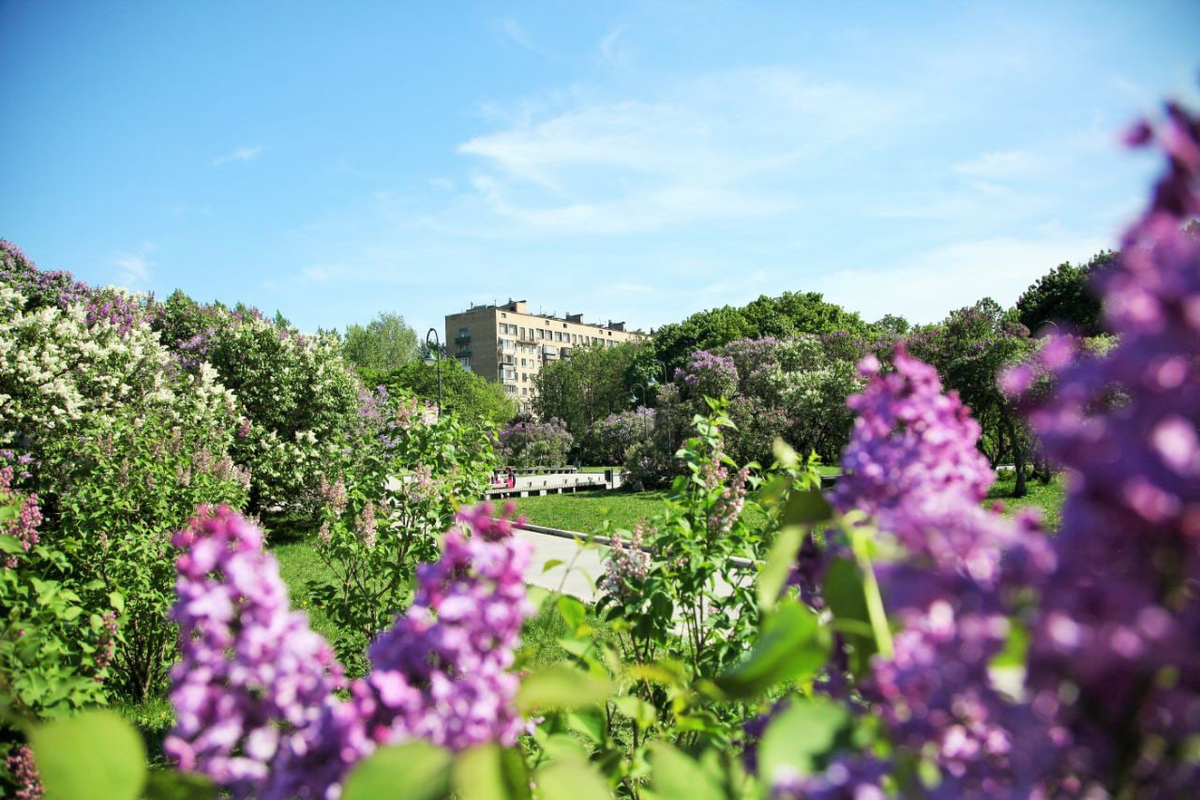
585	512
1047	497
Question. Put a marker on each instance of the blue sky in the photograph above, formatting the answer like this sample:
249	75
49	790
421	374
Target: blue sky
634	161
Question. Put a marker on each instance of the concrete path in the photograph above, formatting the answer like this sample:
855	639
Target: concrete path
581	567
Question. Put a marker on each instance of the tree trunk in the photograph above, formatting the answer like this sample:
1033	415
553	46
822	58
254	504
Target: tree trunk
1018	448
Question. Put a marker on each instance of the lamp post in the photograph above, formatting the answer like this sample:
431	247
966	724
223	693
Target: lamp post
436	343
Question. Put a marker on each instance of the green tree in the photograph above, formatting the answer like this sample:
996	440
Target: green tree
384	343
789	314
465	394
1064	296
589	386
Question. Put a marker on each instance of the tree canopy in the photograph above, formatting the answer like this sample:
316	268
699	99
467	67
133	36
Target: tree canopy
384	343
1064	296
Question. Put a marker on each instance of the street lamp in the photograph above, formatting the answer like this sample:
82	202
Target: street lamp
436	343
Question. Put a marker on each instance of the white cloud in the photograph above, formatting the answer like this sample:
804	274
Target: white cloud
926	286
612	50
239	154
1002	165
514	32
713	148
133	268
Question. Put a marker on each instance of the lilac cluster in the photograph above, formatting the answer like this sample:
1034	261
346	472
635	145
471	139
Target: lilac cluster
252	678
40	288
115	308
106	648
193	351
709	374
628	564
727	508
23	771
913	466
24	526
254	692
441	672
1115	654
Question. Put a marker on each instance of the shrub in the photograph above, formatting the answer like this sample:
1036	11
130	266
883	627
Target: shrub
526	443
295	394
383	516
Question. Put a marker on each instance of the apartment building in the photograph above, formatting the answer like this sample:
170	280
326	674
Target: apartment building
507	344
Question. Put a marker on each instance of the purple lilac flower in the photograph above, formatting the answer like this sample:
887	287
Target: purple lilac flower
441	673
23	771
1115	653
709	374
912	464
847	778
254	692
253	677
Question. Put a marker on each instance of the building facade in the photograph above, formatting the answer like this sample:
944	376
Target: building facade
506	344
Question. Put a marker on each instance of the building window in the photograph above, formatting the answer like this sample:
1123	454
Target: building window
522	333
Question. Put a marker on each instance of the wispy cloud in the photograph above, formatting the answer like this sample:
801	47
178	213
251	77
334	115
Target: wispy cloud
134	267
514	32
239	154
1002	165
708	148
612	49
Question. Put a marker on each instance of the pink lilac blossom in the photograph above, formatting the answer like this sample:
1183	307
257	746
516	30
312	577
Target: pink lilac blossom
1115	652
24	526
107	646
727	509
628	564
24	774
252	676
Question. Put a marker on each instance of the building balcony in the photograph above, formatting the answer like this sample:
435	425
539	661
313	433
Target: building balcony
463	352
462	338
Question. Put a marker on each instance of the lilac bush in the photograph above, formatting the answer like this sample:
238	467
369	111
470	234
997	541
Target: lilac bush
526	443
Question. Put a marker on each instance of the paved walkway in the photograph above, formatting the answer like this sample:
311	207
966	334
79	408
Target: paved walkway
580	569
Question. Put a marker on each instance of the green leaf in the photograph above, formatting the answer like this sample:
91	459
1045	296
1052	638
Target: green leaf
551	564
571	779
801	735
415	769
791	646
96	754
773	575
572	610
848	601
675	775
171	784
560	686
589	724
117	600
489	772
10	545
637	709
806	508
